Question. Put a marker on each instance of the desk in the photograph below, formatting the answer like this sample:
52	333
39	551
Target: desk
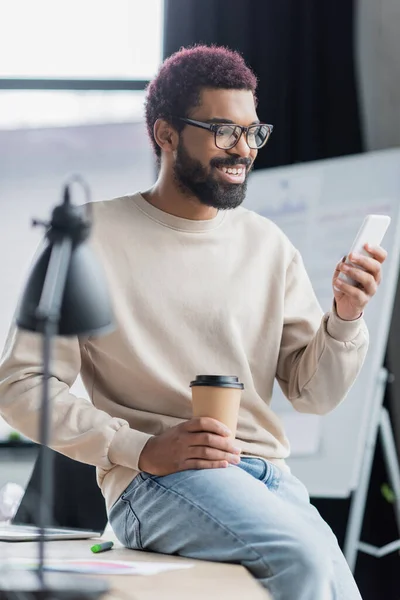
205	580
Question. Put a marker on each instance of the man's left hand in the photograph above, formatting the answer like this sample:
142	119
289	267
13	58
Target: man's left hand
351	300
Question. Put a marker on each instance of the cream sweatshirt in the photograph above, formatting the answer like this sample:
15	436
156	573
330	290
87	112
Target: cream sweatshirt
226	296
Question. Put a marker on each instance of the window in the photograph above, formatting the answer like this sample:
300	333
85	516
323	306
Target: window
99	39
110	49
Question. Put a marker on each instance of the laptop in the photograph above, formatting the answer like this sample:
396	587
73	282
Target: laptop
79	510
30	533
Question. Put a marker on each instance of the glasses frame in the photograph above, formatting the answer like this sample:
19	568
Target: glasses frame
213	127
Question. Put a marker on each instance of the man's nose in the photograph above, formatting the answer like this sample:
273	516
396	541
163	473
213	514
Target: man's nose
242	148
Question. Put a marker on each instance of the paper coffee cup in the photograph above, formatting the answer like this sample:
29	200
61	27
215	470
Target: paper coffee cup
217	396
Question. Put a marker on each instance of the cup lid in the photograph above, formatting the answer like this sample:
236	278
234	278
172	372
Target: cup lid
227	381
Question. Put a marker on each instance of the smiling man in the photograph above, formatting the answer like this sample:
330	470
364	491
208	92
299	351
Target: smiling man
202	120
202	285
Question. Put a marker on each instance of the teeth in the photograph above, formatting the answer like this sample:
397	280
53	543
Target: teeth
233	171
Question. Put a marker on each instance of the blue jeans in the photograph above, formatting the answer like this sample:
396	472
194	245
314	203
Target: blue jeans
253	514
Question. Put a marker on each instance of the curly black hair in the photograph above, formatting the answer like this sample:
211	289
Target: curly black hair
177	86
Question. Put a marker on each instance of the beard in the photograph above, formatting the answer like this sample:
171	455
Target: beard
194	180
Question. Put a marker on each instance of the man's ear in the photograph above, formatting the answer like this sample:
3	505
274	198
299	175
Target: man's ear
165	135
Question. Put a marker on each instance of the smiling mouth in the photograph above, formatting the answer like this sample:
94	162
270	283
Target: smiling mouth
233	174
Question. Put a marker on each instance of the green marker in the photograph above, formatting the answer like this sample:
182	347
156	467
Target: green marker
102	547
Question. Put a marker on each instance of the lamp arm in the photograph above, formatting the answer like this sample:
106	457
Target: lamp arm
48	311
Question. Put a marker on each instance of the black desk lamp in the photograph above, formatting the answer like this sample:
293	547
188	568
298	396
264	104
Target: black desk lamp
66	294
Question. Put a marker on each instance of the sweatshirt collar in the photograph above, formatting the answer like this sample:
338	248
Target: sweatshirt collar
174	222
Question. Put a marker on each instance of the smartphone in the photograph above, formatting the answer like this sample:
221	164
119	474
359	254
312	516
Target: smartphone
371	232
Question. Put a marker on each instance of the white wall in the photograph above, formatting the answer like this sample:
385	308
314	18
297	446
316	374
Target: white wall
378	57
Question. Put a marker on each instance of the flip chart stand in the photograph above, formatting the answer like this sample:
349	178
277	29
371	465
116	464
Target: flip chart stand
379	424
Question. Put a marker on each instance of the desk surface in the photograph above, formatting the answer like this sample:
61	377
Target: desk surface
212	581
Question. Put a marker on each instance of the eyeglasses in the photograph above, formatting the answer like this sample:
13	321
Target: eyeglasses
226	136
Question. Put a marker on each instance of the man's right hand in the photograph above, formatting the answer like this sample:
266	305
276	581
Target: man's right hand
200	443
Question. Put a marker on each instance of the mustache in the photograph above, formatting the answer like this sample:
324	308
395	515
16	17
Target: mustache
230	162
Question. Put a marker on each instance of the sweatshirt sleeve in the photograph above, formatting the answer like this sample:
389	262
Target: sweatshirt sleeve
78	429
320	355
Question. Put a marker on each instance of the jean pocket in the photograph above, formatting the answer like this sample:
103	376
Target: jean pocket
272	476
132	534
256	467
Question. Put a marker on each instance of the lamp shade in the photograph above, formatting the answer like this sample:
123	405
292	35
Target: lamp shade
85	306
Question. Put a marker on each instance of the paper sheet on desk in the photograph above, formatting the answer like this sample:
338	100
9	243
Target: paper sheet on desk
99	567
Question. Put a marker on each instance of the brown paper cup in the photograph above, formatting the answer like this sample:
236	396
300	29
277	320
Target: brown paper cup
217	397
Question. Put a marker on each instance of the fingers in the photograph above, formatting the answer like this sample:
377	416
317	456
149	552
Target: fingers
214	441
211	454
358	296
365	280
338	267
194	463
376	252
370	265
211	445
199	424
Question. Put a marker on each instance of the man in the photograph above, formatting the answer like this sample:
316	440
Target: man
198	288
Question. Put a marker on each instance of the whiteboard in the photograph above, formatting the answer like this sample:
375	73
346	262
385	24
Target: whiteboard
320	206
